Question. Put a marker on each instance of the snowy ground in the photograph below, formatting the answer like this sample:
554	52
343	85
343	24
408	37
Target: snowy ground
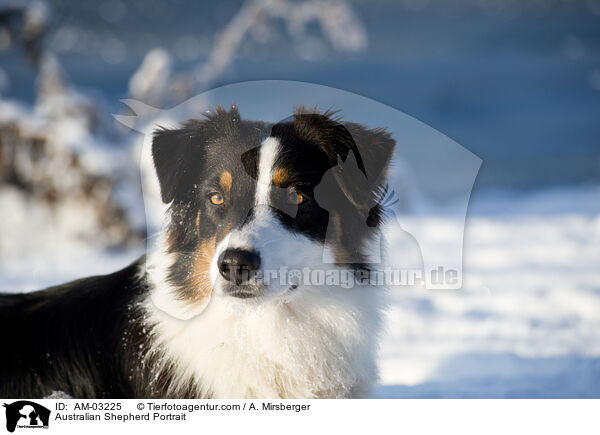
526	323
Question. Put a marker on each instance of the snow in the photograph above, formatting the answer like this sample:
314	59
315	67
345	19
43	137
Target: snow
525	323
39	249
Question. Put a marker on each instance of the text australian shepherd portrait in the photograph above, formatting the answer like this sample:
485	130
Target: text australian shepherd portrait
206	314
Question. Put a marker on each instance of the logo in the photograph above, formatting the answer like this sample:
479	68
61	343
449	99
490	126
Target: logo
26	414
432	176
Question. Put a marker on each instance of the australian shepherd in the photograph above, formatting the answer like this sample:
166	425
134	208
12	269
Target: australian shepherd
197	317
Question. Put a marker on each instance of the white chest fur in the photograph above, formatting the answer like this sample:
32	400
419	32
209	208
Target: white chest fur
320	343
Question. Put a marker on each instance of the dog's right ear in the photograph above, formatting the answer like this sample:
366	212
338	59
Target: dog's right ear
171	154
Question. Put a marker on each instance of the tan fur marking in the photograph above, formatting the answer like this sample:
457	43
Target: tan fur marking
226	181
281	177
201	276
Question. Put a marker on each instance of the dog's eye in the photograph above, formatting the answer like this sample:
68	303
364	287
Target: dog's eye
296	198
216	198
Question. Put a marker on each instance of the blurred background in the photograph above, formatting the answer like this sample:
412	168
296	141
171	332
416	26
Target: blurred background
515	82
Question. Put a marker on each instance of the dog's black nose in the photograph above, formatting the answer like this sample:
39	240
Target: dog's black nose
237	265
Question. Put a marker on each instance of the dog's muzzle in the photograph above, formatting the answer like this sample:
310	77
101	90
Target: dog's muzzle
238	266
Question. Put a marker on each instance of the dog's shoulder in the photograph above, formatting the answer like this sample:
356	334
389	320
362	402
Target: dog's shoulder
60	337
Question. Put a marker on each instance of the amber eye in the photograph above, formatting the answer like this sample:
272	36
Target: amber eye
216	198
295	198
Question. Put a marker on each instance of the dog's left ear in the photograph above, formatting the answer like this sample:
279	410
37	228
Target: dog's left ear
373	150
359	158
171	152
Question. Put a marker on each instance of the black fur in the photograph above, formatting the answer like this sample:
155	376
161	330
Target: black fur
78	338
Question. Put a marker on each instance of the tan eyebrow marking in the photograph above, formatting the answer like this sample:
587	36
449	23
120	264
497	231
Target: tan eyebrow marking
281	177
226	180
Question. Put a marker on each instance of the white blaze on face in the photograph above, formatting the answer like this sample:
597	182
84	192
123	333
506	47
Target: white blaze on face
267	157
254	232
277	246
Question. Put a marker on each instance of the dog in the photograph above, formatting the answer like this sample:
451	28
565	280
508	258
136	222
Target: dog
195	317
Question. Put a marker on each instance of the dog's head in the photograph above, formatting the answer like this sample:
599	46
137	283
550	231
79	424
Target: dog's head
251	201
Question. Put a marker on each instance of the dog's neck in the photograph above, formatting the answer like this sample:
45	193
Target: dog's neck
320	343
